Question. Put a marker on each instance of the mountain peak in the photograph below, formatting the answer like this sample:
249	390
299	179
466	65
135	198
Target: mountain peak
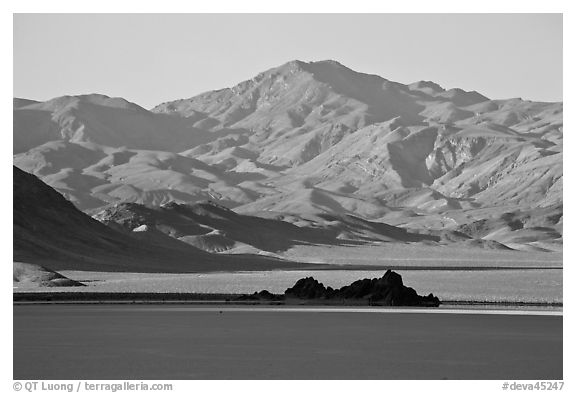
426	85
313	67
300	63
292	64
59	103
328	62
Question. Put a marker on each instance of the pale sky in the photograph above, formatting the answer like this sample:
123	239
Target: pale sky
153	58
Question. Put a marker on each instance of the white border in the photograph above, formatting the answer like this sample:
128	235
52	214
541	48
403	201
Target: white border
303	6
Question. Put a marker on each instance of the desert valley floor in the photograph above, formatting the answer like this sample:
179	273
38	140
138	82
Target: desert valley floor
452	274
516	286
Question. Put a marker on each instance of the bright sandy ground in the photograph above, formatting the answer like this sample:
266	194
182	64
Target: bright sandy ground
537	284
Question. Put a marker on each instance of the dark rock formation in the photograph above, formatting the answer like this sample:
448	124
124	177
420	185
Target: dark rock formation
388	290
262	295
308	288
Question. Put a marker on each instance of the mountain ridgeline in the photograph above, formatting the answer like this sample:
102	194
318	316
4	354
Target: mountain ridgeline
305	140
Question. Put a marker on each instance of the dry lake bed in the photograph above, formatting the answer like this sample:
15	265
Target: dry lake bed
192	342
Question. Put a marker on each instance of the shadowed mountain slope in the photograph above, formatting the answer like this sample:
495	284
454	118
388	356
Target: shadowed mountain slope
50	231
215	228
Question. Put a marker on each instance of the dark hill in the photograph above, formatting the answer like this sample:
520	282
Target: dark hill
50	231
206	223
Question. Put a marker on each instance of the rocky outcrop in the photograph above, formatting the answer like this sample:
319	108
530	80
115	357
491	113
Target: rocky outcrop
309	288
388	290
262	295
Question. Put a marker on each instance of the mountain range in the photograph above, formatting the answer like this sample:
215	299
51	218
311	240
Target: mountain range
306	141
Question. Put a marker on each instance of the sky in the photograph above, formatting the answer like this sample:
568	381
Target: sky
153	58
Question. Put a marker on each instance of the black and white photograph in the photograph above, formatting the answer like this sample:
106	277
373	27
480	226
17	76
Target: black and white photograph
287	196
